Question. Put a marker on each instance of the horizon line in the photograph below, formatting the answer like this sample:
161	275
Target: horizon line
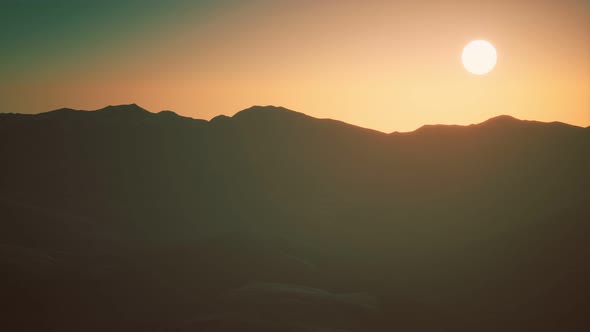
427	125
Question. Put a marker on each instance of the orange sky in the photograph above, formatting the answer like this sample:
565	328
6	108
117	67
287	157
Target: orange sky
387	65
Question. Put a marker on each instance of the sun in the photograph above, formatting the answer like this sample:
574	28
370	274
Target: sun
479	57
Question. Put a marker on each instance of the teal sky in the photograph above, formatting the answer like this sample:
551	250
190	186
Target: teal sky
37	34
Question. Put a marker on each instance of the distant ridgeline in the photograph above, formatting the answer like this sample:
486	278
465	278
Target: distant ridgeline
270	220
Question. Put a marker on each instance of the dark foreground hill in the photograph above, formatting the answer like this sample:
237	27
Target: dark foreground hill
125	220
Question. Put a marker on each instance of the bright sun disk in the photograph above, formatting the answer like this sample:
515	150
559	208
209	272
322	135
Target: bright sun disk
479	57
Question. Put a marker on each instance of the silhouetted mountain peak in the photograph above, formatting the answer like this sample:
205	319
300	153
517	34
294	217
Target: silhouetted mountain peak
509	122
131	108
267	112
504	117
432	128
502	120
168	113
59	112
63	110
220	119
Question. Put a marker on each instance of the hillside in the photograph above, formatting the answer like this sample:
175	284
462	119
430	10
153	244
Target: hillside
270	220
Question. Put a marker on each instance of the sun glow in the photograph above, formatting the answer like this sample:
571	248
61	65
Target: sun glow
479	57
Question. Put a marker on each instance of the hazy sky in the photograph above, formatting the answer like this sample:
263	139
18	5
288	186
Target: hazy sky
387	65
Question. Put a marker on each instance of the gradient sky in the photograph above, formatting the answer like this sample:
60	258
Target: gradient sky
387	65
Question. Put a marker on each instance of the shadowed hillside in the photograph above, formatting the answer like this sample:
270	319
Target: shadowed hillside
270	220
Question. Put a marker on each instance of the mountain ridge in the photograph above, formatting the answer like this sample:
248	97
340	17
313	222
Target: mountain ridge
264	113
139	221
